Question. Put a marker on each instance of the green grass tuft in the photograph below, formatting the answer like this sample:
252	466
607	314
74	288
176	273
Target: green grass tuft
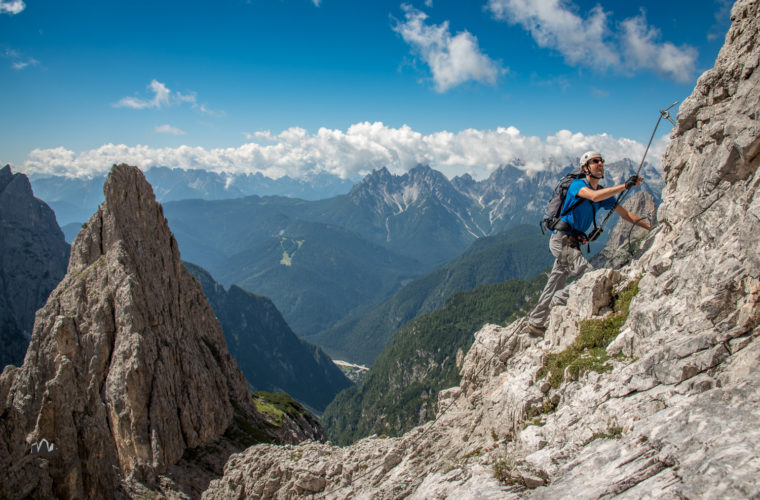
244	432
273	405
613	432
589	350
505	471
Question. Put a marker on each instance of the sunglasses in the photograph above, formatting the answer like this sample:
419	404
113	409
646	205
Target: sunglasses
595	161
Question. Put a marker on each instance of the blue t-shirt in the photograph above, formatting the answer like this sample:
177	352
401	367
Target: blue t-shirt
582	216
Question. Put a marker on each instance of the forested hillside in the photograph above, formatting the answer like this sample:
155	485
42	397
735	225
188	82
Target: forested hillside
269	354
317	273
519	253
401	389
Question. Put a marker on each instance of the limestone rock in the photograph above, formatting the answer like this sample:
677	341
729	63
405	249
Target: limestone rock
127	371
676	417
33	258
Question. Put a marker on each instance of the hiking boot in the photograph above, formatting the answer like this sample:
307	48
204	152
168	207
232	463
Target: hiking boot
536	331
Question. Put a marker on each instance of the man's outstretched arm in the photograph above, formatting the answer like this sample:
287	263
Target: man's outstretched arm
632	218
604	193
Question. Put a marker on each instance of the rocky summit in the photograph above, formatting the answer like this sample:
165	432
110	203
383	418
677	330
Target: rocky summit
646	384
127	388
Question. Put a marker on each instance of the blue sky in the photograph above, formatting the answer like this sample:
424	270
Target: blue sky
299	86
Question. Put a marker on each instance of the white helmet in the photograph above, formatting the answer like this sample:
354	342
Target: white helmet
589	155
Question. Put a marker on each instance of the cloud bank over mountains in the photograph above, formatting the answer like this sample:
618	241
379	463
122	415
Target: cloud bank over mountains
363	147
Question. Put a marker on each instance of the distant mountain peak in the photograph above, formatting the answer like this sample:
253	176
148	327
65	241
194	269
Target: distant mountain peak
425	178
423	169
5	176
424	173
18	183
378	176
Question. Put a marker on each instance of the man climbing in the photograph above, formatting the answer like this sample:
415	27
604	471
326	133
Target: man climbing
584	197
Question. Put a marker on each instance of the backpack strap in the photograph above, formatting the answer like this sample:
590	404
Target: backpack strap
574	206
593	219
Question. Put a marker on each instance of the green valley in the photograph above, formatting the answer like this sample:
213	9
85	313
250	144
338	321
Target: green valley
400	391
317	273
267	351
519	253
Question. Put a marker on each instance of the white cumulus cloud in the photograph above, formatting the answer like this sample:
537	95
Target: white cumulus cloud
11	7
168	129
164	97
160	98
639	43
358	150
453	59
591	40
552	24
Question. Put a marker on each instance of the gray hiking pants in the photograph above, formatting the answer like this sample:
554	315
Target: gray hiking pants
569	262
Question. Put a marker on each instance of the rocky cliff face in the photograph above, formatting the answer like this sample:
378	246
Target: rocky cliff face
646	385
33	257
127	373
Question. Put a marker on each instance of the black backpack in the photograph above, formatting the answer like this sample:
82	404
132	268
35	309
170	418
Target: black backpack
553	212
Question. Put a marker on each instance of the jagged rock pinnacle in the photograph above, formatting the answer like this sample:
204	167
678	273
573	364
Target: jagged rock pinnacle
127	366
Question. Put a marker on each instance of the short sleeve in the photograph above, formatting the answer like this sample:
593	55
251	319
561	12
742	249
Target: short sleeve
608	203
575	186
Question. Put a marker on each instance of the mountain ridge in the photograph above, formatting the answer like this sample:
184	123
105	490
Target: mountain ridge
74	199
